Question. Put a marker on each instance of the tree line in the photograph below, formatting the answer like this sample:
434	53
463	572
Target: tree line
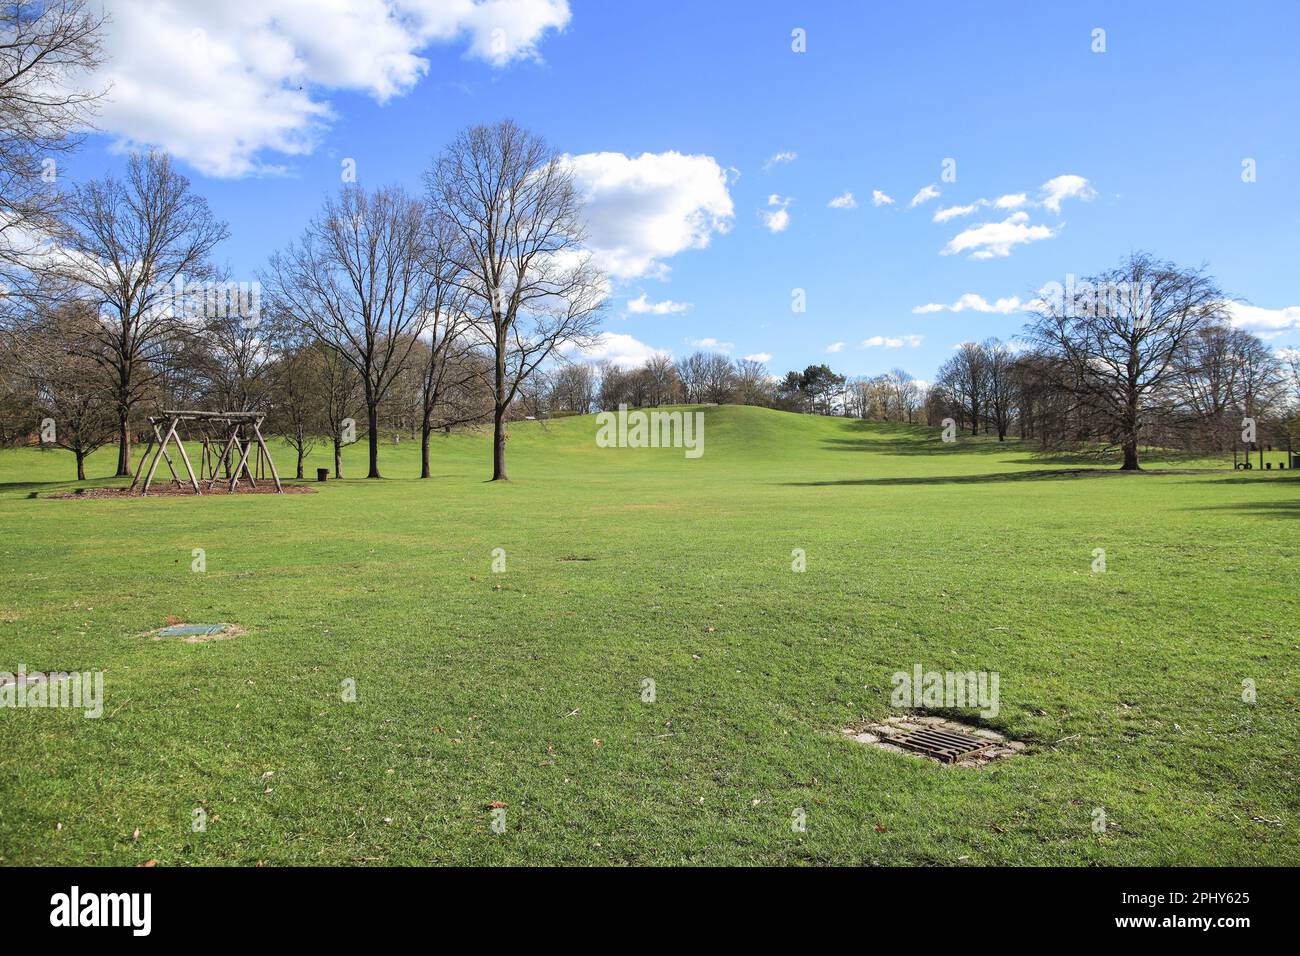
1141	355
470	303
432	310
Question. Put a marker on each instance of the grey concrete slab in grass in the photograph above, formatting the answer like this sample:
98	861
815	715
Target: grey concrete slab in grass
190	630
198	633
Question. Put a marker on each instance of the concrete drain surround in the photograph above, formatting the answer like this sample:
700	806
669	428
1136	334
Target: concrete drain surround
936	739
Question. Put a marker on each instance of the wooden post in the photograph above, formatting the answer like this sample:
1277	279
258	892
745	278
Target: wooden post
135	480
247	446
161	453
221	461
189	469
176	479
275	475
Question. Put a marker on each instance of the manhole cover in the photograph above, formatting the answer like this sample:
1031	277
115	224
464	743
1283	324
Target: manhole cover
944	745
198	633
192	630
937	739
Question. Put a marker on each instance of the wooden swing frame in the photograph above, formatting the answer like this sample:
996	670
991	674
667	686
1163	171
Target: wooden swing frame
242	432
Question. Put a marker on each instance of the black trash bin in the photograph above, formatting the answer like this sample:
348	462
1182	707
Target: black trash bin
322	474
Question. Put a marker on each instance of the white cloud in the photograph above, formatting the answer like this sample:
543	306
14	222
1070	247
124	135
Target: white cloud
1065	187
925	195
711	343
889	342
995	239
843	201
1268	323
623	350
777	217
641	306
952	212
973	303
643	210
835	347
1009	201
780	159
880	199
763	357
221	84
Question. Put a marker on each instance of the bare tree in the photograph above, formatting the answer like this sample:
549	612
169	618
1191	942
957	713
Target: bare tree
341	392
718	380
1228	373
1120	344
66	383
359	281
661	380
237	358
1000	365
136	252
446	365
1291	367
515	214
573	388
751	381
613	386
692	372
47	49
296	413
965	379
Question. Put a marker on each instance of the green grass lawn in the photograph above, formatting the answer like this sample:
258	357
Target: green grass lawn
623	564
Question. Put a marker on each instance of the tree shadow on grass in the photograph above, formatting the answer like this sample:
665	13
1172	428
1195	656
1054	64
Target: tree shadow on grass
892	446
984	478
1247	477
67	484
1037	474
928	443
18	487
1262	509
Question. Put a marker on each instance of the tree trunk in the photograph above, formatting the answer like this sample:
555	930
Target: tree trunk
425	431
372	415
1130	456
123	445
499	445
499	411
299	470
81	464
338	457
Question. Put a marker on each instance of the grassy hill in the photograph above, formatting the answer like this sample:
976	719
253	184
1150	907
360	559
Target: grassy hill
525	687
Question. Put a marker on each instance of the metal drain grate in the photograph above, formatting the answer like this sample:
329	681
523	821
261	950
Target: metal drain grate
944	745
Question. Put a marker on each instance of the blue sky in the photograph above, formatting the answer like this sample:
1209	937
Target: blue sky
262	111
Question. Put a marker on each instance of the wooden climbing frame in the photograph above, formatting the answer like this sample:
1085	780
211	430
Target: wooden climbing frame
238	433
